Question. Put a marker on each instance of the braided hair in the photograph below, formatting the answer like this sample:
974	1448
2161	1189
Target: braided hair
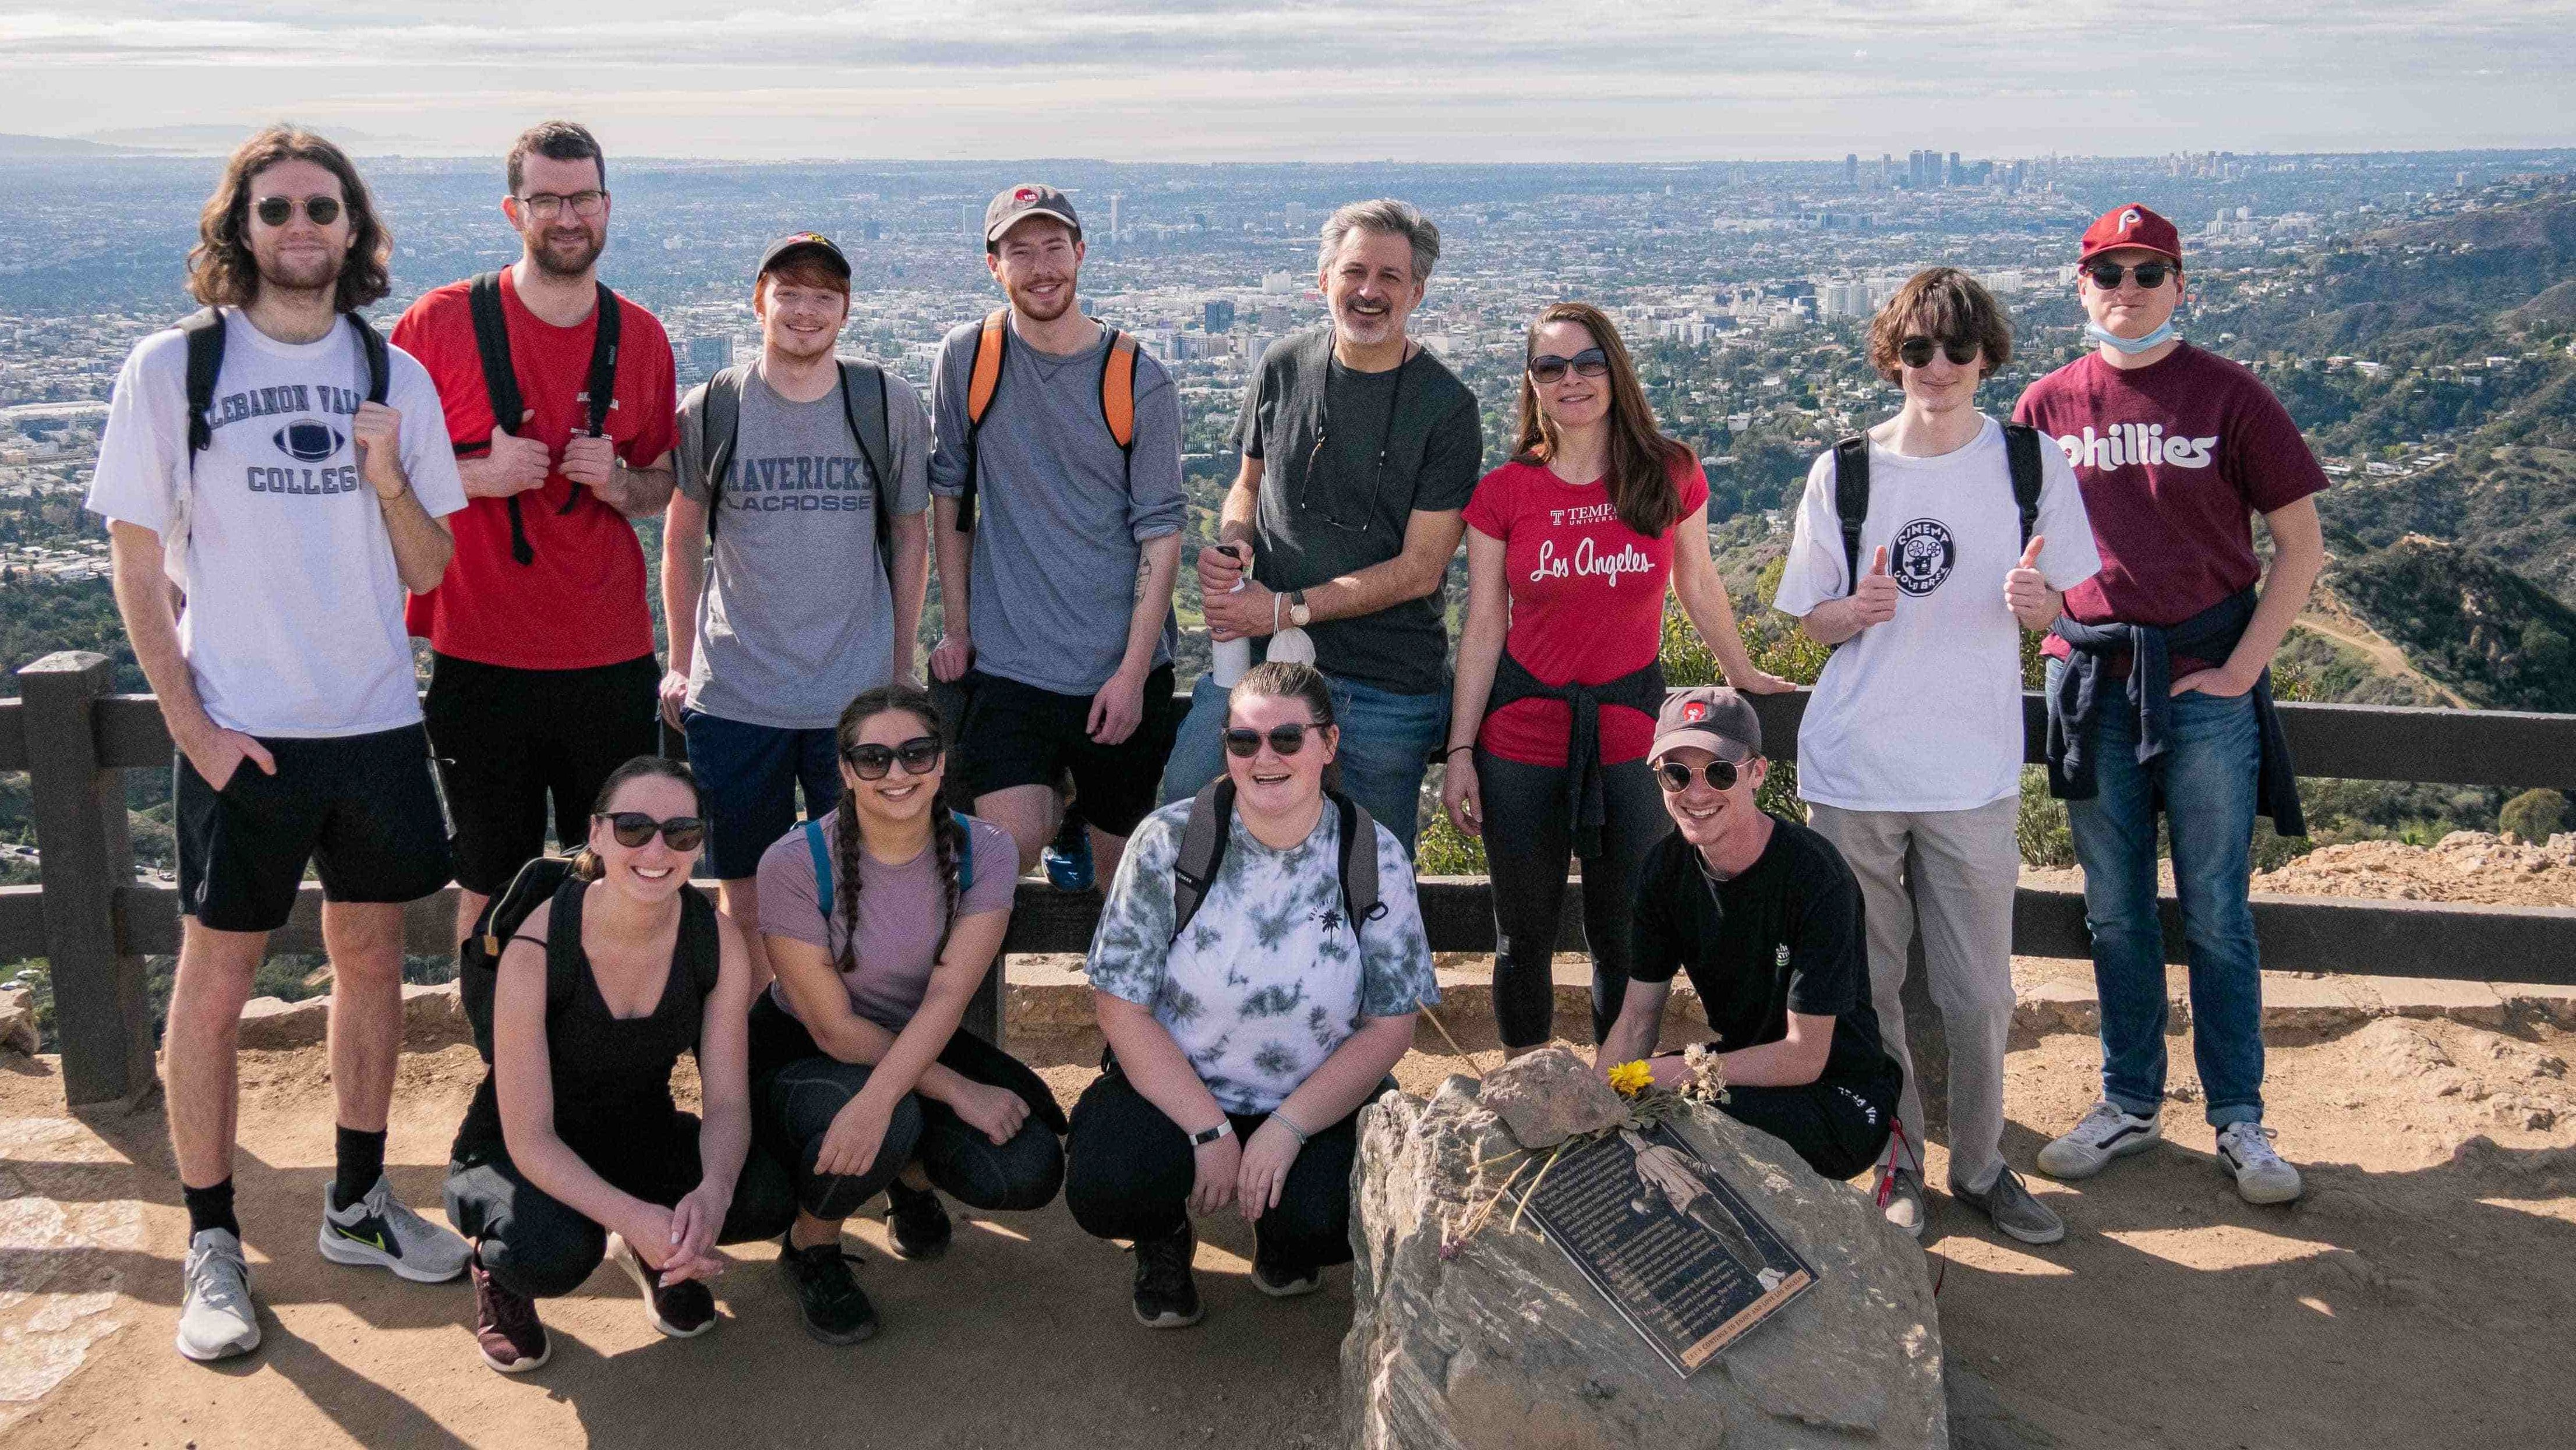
947	837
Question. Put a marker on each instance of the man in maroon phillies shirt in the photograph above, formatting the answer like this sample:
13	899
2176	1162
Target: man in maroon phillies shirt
2159	686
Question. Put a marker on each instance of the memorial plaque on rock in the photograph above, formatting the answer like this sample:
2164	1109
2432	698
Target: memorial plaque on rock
1668	1241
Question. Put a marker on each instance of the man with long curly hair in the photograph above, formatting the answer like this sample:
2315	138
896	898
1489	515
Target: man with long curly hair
291	505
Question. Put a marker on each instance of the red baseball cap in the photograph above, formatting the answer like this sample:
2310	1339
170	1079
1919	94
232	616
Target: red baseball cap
2131	226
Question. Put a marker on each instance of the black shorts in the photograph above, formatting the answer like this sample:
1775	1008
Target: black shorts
1018	734
509	741
360	808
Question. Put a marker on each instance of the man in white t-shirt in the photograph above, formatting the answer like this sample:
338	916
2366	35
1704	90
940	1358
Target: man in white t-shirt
1910	754
291	504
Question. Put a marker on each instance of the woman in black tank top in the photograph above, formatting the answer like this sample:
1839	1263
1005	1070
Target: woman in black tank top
572	1148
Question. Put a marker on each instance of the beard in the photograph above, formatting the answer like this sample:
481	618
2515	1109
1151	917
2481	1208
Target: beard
303	273
1365	328
561	253
1038	311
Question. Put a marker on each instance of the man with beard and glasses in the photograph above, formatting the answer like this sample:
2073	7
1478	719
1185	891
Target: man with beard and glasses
1360	450
292	502
542	675
1057	542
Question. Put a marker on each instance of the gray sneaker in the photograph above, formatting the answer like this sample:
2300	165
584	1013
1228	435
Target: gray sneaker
378	1231
1900	1192
2016	1213
217	1319
2245	1151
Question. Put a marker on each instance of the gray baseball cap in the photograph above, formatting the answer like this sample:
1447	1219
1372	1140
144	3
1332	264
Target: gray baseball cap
1712	717
1015	204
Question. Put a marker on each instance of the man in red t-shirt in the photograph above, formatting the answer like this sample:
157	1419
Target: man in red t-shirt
2158	685
542	675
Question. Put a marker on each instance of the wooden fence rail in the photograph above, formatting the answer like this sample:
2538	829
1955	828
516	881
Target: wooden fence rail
96	922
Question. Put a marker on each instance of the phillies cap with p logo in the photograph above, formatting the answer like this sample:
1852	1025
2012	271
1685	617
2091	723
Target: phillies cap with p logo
2131	225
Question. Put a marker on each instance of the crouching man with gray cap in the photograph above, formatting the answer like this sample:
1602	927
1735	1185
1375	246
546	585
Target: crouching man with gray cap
1767	920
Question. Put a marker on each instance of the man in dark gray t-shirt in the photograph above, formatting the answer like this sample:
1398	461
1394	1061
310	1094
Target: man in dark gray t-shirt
1057	478
1359	450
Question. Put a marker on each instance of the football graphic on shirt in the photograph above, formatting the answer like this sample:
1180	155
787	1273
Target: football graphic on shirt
309	442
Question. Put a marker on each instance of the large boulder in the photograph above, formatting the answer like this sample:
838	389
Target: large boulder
1507	1345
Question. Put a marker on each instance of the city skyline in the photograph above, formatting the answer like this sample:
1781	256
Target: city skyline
1414	80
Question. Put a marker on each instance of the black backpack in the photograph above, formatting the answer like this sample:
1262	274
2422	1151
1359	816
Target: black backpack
863	405
1851	487
501	382
478	961
1203	840
204	330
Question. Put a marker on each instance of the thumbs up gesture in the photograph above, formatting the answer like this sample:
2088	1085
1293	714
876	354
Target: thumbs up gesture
514	464
2026	591
1873	599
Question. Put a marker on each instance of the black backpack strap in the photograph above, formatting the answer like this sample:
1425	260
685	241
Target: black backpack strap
204	331
865	409
1359	862
500	387
379	361
719	433
1202	849
1851	499
599	390
699	946
2021	452
564	956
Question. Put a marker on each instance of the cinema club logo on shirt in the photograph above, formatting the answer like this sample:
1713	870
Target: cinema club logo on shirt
1922	557
2122	444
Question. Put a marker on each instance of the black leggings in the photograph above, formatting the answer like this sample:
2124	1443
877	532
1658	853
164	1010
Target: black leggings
797	1091
537	1245
1130	1169
1529	839
1839	1129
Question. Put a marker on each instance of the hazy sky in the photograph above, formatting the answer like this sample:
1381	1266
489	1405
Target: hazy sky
1432	80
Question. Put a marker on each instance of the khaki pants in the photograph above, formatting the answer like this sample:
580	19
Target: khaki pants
1957	870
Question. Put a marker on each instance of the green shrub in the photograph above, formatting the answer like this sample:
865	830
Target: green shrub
2533	816
2041	829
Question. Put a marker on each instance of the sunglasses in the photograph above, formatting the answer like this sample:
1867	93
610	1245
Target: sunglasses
1675	777
919	755
1243	744
276	211
634	828
1916	352
2107	275
1547	367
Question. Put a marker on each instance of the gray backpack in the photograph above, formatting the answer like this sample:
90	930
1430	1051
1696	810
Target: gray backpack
863	404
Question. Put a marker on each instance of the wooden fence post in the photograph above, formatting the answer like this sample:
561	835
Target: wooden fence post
102	1008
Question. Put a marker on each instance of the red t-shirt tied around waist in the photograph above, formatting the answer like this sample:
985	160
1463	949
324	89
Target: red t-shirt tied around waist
2174	459
1587	597
580	603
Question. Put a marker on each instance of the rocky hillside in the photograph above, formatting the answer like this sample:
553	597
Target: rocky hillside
2467	621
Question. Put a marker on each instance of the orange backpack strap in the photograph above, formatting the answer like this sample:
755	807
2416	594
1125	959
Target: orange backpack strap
987	376
1118	388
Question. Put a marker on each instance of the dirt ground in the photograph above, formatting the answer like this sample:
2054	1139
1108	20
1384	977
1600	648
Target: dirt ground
2418	1296
2472	866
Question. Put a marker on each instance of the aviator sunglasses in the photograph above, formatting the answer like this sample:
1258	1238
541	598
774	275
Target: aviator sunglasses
1547	367
1675	777
1243	743
2107	275
1916	352
871	762
275	211
634	828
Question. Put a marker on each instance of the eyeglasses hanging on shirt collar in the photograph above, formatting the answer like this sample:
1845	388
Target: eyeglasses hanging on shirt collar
1324	431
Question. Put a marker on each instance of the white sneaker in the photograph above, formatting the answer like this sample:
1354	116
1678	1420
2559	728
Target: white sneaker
2107	1132
377	1231
2262	1176
1900	1192
217	1319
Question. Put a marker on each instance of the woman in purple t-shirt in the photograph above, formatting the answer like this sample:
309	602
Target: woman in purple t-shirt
880	922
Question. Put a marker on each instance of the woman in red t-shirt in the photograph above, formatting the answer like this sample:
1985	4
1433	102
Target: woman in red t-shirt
1570	547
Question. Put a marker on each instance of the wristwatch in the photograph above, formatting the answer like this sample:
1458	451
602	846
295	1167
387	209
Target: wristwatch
1298	613
1224	1129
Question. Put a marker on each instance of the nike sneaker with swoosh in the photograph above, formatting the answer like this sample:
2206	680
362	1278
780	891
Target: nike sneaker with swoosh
379	1232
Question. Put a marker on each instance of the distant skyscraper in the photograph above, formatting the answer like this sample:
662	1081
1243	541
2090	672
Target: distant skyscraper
1954	177
1851	168
709	356
1113	214
1219	315
872	231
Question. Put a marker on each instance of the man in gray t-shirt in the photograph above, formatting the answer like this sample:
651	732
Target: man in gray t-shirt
802	610
1057	542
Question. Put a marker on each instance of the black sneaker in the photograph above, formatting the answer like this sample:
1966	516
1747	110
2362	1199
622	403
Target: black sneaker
917	1224
683	1310
1166	1296
835	1308
1281	1278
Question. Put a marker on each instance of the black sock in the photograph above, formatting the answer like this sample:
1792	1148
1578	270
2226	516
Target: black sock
362	1162
210	1207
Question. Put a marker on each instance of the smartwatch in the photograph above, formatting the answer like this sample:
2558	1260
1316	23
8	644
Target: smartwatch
1298	613
1224	1129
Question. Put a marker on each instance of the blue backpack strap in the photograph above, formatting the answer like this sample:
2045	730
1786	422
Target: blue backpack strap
965	858
822	867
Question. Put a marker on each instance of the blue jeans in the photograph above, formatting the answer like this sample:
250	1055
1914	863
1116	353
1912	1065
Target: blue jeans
750	775
2209	779
1386	740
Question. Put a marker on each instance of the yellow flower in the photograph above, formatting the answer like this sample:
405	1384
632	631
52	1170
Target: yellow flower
1632	1078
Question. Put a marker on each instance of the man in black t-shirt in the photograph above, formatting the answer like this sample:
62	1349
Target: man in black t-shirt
1766	918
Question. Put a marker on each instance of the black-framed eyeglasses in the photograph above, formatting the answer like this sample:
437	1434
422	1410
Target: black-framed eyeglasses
1675	777
634	828
545	206
920	755
2109	275
1916	352
1243	743
1547	367
277	211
